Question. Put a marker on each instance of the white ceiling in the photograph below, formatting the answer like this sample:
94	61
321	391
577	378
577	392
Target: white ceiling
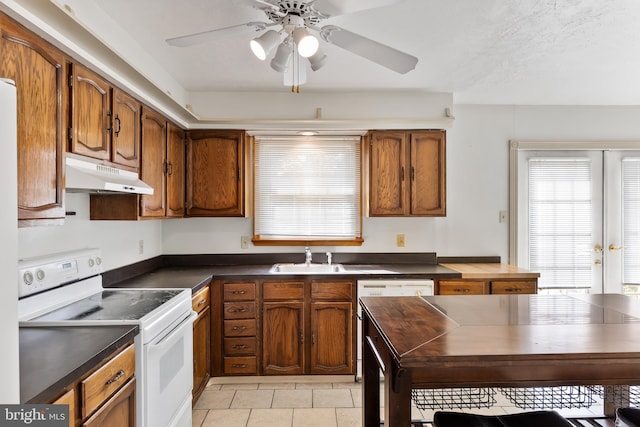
555	52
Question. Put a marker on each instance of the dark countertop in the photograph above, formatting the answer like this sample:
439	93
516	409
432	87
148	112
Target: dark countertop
197	277
192	278
52	358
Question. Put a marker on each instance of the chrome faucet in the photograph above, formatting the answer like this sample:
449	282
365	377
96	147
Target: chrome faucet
329	258
307	254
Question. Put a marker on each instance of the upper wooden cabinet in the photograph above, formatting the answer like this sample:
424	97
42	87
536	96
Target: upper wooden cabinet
105	122
215	173
162	167
39	71
407	173
152	171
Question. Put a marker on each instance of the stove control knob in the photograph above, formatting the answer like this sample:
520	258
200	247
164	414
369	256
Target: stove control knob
27	277
40	274
91	262
98	260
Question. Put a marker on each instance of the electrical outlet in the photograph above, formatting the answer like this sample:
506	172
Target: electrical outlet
140	246
400	240
244	242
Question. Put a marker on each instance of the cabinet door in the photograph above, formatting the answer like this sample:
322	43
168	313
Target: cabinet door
427	173
175	170
91	114
215	173
283	338
69	398
388	175
126	130
118	411
154	145
331	338
201	352
39	72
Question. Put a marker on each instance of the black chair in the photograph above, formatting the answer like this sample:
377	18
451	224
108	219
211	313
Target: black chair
628	417
526	419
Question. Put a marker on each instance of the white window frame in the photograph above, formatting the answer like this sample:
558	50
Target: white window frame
309	240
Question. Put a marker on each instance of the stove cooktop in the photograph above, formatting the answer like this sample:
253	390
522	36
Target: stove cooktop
112	305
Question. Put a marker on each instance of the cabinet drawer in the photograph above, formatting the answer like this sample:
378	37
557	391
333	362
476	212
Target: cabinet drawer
96	388
240	310
240	328
200	300
283	290
461	287
332	290
239	346
240	365
239	291
513	287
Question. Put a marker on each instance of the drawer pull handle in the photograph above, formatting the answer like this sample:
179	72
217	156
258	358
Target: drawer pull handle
513	290
239	346
239	365
238	310
238	292
239	328
462	290
118	376
202	302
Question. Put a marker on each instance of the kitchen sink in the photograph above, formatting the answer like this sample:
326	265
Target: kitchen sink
303	268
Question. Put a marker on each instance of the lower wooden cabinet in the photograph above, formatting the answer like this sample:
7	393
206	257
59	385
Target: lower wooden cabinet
284	327
200	303
105	397
487	286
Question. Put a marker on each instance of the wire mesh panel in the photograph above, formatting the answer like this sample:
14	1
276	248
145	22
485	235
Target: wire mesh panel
550	397
620	395
454	398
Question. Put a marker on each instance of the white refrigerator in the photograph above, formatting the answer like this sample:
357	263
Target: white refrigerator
9	356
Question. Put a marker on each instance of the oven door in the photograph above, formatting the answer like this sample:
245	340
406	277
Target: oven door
169	375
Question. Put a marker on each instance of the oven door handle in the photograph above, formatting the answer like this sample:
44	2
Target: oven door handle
174	334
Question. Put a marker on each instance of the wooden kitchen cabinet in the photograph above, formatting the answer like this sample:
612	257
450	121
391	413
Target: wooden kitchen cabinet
487	278
215	173
283	328
152	171
332	326
407	173
105	396
39	71
200	303
104	120
240	328
162	167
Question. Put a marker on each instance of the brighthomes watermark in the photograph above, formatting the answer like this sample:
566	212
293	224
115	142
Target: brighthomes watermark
34	415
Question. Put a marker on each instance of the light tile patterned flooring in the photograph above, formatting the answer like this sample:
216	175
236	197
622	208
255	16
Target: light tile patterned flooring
298	402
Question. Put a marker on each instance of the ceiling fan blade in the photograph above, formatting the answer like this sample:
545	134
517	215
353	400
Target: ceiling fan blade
379	53
341	7
213	35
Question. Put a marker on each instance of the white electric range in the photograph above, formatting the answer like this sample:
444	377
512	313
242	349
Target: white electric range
65	289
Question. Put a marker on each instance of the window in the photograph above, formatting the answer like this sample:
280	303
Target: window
307	191
631	224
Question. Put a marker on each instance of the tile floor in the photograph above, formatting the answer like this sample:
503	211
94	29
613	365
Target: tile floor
297	402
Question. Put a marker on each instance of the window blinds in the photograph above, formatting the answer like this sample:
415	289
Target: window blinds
631	220
560	222
307	189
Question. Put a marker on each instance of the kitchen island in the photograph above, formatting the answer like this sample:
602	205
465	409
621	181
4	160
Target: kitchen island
494	341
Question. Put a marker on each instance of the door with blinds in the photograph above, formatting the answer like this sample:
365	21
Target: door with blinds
578	219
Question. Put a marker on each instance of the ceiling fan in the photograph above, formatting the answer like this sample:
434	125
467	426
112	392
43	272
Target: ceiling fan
290	29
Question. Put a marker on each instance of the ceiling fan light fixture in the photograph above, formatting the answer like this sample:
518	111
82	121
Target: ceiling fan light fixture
263	45
317	60
306	43
282	57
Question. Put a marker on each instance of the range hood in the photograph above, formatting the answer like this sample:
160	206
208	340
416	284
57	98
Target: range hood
83	176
